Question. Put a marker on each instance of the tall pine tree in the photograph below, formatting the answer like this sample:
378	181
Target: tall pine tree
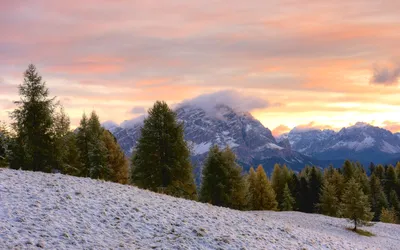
262	195
288	200
33	125
116	161
161	160
329	202
97	150
355	204
222	182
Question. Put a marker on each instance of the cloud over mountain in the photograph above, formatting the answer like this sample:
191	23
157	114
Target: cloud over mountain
232	98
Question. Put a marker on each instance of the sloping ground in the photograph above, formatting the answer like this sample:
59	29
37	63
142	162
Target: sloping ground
54	211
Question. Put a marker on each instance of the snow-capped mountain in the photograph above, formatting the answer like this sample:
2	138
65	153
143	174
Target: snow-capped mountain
223	126
362	142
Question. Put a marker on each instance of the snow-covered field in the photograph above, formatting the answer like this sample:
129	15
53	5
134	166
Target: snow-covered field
54	211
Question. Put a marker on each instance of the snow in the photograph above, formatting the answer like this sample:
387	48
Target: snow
54	211
367	142
201	148
274	146
389	148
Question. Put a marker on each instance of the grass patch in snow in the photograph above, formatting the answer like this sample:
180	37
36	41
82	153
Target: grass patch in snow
361	232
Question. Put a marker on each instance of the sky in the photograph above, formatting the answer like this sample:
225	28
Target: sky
305	63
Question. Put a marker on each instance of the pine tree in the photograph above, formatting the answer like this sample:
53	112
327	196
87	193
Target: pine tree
5	141
71	156
261	192
280	177
348	170
388	216
390	182
394	201
295	188
329	202
116	161
355	204
61	129
377	197
398	178
288	200
161	160
304	201
380	172
97	150
333	177
33	125
222	183
252	188
82	140
315	184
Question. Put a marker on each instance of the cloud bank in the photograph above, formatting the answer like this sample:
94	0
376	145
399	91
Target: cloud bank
231	98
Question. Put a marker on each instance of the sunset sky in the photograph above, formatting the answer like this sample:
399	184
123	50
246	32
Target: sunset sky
304	63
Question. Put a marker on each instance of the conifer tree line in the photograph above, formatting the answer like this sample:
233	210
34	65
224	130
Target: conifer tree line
40	139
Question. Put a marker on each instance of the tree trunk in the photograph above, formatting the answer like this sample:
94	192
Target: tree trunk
355	225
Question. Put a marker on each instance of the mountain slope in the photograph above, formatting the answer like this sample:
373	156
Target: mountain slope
223	126
54	211
361	142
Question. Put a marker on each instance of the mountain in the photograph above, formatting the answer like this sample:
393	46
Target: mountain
222	125
360	142
54	211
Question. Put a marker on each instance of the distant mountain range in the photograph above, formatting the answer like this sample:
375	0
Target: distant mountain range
254	144
360	142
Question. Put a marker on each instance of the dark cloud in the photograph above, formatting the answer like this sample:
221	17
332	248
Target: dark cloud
386	75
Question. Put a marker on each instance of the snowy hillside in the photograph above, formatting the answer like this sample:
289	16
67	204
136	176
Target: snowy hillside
54	211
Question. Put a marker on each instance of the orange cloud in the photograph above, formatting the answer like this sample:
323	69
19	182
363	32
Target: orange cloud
281	129
392	126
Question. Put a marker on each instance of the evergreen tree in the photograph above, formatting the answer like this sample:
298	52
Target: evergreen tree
333	177
71	155
97	150
377	197
262	195
398	178
315	184
288	200
116	161
304	202
388	216
60	150
380	172
294	186
161	161
252	188
33	125
355	204
280	177
390	182
329	203
82	140
222	183
348	170
394	201
5	141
